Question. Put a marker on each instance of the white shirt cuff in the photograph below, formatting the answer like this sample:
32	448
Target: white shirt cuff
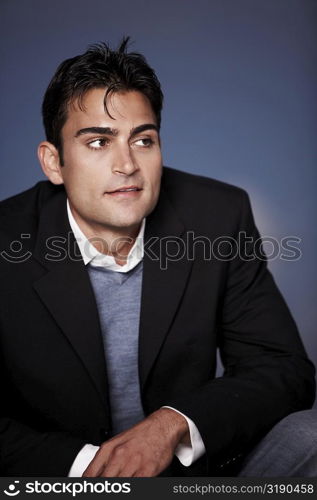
82	460
189	453
186	453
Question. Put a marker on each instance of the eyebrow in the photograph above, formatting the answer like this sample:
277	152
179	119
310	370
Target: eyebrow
96	130
142	128
113	132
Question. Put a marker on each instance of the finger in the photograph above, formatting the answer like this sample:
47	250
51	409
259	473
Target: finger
98	463
119	461
129	470
112	469
123	462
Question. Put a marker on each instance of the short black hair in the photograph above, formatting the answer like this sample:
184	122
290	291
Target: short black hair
99	67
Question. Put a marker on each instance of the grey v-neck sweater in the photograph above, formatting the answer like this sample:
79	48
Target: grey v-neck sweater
118	297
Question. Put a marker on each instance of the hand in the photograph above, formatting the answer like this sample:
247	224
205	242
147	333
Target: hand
145	450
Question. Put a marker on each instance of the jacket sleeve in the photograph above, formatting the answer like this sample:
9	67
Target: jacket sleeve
27	452
267	374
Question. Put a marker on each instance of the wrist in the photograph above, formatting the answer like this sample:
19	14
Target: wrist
174	424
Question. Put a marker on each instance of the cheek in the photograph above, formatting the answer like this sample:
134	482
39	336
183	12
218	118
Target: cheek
79	174
73	182
152	169
78	186
155	177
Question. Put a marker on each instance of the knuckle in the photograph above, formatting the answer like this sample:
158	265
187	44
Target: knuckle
119	451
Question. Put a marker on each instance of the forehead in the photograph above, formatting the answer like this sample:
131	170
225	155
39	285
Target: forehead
118	109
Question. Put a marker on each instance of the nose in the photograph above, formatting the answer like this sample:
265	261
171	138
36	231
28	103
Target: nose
124	163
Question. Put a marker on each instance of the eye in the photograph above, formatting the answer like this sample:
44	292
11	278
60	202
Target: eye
98	143
144	143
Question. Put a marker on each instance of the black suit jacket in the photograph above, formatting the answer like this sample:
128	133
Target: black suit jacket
54	379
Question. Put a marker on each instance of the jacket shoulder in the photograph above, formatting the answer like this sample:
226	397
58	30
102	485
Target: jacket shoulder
29	202
197	199
178	182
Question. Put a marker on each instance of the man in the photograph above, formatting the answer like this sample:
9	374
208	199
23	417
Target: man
130	277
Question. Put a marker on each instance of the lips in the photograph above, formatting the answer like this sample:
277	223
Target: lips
125	189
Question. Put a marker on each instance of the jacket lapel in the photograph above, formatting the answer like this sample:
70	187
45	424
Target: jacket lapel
66	290
165	273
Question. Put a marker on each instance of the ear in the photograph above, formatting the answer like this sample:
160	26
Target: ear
49	160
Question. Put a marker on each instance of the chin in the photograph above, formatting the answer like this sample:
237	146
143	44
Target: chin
130	219
131	224
127	223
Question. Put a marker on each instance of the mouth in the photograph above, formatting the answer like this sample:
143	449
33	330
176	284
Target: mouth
124	190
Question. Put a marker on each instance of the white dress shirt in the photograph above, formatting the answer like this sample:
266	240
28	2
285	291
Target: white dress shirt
186	454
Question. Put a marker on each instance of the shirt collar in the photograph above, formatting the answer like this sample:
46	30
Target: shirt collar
91	255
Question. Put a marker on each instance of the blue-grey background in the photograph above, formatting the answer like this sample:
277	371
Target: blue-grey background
240	80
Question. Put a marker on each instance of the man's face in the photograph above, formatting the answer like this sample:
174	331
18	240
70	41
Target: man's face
112	166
